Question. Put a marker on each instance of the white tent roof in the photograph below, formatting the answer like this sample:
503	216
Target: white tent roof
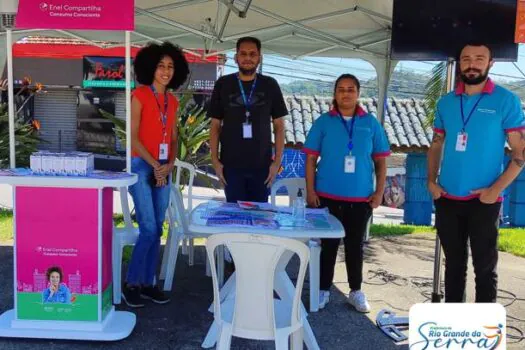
294	28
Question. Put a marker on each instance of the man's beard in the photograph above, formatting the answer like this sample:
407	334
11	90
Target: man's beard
245	71
476	80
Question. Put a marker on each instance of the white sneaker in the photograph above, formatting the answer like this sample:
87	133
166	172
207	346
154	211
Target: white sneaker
358	300
324	298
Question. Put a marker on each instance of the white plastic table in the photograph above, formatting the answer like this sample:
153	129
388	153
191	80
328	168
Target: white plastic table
282	284
62	281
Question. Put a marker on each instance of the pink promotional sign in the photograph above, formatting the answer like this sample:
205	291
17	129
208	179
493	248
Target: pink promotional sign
57	253
76	14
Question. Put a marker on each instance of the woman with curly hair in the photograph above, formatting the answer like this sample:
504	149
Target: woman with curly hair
56	292
158	68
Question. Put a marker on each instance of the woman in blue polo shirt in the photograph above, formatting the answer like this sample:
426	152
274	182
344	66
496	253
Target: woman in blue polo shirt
351	145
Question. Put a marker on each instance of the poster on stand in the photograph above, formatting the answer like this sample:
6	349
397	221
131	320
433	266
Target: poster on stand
56	262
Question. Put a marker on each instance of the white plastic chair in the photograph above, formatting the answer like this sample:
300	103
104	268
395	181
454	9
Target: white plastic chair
292	186
179	231
254	313
122	236
187	243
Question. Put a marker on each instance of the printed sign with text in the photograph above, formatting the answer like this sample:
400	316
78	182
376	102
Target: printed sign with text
457	326
78	14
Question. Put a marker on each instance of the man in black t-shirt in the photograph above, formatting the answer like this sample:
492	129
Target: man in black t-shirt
243	108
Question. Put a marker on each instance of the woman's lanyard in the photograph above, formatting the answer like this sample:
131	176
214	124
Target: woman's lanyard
247	101
163	114
350	131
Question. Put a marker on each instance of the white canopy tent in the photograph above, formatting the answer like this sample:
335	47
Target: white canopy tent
292	28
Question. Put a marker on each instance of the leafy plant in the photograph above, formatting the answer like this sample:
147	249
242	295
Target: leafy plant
434	89
26	139
194	133
120	126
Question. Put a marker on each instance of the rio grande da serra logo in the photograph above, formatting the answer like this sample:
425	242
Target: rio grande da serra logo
458	326
434	336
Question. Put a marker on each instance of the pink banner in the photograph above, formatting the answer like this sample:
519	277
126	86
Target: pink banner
107	237
57	228
76	14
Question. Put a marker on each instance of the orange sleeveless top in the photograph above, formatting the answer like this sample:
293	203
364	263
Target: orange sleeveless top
151	129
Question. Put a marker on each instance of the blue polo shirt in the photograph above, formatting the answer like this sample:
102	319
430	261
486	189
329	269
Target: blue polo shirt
497	112
328	138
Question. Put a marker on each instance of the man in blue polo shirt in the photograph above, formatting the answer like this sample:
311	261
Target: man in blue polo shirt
470	129
352	147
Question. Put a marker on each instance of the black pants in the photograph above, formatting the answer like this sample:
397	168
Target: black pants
458	222
354	217
246	185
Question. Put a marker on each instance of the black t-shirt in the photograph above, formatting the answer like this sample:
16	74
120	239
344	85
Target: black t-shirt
227	104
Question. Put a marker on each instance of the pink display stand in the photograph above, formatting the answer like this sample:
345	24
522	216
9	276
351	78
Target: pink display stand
63	287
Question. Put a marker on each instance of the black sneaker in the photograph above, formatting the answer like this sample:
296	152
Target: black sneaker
154	294
131	296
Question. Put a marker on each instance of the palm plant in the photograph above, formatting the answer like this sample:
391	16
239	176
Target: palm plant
434	89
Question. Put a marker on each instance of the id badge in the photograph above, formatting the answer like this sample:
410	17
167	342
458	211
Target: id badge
247	130
163	151
349	164
461	142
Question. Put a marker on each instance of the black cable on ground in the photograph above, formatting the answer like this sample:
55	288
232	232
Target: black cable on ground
516	338
385	277
382	277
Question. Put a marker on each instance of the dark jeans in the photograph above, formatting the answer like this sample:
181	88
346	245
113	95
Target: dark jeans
246	185
458	222
354	217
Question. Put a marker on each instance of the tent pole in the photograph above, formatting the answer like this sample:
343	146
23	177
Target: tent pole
128	101
384	69
436	285
10	98
384	81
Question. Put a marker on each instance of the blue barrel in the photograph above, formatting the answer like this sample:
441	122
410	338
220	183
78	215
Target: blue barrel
418	202
517	201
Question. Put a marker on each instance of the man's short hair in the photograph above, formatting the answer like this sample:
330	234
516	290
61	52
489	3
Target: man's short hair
474	43
249	39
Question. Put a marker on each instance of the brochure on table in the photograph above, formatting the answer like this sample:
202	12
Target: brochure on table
261	215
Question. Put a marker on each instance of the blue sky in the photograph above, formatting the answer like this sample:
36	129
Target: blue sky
327	69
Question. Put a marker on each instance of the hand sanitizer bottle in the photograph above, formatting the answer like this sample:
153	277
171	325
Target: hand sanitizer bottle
299	209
